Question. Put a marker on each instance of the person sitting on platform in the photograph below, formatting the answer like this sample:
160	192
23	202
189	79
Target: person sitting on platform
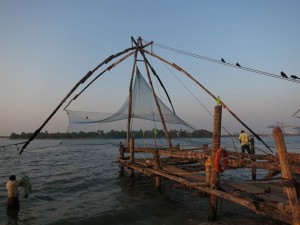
245	142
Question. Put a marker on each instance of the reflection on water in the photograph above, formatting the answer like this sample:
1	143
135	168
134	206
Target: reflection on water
82	185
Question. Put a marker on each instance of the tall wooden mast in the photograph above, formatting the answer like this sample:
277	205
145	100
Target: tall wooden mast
130	95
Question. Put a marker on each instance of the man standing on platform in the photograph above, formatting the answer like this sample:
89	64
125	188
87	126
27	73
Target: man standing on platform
245	142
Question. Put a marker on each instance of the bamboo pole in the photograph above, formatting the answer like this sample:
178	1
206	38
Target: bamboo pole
213	199
287	175
156	102
81	81
100	74
208	92
130	95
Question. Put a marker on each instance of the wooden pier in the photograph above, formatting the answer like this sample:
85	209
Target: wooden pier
195	168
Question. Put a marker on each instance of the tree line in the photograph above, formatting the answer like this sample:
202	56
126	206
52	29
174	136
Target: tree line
115	134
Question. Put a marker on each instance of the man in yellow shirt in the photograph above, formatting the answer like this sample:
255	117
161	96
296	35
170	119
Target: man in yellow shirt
13	193
245	142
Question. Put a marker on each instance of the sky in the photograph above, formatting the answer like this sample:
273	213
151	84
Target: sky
46	47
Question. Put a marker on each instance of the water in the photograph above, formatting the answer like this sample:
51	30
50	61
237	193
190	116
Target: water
82	185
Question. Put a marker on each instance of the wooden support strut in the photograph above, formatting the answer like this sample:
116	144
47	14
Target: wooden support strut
287	175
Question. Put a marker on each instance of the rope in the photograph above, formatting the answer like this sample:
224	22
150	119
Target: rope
15	144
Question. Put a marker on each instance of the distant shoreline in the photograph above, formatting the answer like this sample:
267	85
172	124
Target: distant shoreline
100	134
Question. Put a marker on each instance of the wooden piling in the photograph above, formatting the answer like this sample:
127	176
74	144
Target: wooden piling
252	148
121	156
289	182
131	156
213	199
157	166
156	163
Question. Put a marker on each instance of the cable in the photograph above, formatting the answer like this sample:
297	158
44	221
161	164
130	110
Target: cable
224	63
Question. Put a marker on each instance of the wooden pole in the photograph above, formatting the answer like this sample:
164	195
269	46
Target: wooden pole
253	152
287	175
130	96
156	163
121	157
213	199
131	156
157	166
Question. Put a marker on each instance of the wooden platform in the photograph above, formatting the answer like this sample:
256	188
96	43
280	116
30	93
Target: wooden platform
265	197
200	169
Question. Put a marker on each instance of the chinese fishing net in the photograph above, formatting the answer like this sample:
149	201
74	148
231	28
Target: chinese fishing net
146	121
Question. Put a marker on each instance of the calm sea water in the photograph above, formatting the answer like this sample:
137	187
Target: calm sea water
81	184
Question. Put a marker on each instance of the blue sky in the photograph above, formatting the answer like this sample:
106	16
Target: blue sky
47	46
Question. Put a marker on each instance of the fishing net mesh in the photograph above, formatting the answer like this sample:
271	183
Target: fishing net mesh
145	114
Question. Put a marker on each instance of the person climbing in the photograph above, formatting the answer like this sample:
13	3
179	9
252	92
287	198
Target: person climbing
245	142
13	193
